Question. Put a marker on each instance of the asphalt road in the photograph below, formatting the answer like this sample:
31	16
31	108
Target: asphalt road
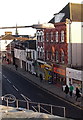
14	84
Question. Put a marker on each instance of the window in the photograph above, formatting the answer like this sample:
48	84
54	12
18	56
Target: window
62	56
38	52
56	36
29	54
41	52
51	36
41	36
56	56
38	36
5	41
47	37
62	36
47	55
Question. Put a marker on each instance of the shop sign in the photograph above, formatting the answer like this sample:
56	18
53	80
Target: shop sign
47	67
75	74
59	71
42	66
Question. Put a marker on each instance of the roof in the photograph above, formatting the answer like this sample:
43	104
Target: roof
72	11
12	37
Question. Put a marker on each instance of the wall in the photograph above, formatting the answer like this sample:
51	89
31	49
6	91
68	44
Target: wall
3	44
75	43
20	54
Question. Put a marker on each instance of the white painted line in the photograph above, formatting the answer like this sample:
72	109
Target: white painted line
0	72
8	80
25	98
4	76
15	88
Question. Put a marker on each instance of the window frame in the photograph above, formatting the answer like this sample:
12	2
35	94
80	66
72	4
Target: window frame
56	36
62	35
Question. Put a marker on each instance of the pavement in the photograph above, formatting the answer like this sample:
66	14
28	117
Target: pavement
50	88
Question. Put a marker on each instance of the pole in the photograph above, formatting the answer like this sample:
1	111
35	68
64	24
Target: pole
7	102
64	112
17	103
27	105
51	109
39	107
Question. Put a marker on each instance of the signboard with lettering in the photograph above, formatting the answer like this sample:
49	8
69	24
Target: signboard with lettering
59	71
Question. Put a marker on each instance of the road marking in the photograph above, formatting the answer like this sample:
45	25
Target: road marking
63	99
0	72
15	88
8	80
26	98
4	76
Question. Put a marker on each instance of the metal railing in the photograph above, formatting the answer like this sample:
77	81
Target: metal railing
36	107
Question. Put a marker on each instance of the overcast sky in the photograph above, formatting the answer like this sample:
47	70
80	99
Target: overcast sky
28	12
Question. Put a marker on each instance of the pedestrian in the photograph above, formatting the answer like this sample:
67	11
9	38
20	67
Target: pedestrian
71	88
66	90
77	93
16	66
41	77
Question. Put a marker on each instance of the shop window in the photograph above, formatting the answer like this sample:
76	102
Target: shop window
77	83
56	56
29	67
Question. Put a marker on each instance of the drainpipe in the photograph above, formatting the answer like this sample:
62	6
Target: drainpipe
68	21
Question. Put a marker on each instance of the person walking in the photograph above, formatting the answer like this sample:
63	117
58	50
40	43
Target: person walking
66	90
41	77
71	90
77	93
16	66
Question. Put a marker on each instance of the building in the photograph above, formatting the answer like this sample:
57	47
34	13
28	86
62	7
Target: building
11	40
63	44
25	54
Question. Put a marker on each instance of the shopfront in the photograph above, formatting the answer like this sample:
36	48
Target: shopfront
48	72
74	77
59	75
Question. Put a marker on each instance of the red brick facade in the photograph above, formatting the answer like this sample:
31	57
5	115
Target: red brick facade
51	46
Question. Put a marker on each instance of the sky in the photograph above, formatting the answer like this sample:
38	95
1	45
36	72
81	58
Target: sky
28	12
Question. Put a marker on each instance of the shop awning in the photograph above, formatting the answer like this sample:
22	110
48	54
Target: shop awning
40	61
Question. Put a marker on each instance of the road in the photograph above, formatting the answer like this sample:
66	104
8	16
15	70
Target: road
13	83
